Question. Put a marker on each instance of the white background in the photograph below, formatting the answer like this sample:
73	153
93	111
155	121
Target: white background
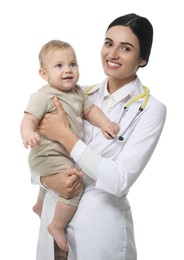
157	197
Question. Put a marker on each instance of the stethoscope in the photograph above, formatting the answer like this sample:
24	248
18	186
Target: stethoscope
144	95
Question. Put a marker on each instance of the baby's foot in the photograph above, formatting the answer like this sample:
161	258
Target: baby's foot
37	209
59	236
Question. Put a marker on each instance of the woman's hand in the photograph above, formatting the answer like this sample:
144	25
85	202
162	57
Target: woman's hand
68	183
55	126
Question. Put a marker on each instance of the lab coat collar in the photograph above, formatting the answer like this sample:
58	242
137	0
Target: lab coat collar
130	90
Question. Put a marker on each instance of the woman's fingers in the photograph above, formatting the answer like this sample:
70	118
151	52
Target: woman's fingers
58	106
61	113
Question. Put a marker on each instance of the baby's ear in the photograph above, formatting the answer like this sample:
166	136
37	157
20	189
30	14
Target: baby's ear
43	74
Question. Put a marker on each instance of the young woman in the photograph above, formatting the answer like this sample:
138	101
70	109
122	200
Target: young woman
102	227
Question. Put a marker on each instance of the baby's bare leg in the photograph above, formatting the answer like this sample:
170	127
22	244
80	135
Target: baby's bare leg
63	214
37	208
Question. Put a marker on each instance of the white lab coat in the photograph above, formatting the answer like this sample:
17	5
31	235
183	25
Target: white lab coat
102	227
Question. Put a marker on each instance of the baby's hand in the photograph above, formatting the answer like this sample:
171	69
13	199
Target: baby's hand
110	129
32	140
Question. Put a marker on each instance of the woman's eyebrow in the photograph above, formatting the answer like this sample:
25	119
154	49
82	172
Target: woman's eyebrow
122	43
109	39
127	43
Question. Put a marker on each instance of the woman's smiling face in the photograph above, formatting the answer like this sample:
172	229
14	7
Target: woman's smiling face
120	53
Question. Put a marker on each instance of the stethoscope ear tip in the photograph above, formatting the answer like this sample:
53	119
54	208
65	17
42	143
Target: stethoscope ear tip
121	138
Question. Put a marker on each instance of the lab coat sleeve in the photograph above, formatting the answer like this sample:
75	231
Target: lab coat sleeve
117	176
45	245
80	153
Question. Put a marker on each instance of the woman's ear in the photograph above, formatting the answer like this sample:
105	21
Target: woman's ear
43	74
142	62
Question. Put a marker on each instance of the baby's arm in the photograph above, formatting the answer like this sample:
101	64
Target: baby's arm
97	117
28	131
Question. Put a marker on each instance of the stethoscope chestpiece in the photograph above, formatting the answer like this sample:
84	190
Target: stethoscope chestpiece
121	138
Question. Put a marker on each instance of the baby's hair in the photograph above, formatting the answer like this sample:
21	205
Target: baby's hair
52	45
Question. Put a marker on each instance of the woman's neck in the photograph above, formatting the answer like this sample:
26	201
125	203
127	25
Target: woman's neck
115	84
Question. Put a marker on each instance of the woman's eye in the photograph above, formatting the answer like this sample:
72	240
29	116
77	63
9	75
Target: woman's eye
108	43
126	48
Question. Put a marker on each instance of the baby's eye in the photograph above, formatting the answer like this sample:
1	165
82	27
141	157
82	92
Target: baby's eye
73	64
59	65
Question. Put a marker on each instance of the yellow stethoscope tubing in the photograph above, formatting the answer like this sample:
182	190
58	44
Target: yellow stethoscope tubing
89	88
144	95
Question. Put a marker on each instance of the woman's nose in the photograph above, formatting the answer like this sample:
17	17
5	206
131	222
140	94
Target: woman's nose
113	54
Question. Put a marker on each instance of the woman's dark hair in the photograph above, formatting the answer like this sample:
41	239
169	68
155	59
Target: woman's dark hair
141	27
